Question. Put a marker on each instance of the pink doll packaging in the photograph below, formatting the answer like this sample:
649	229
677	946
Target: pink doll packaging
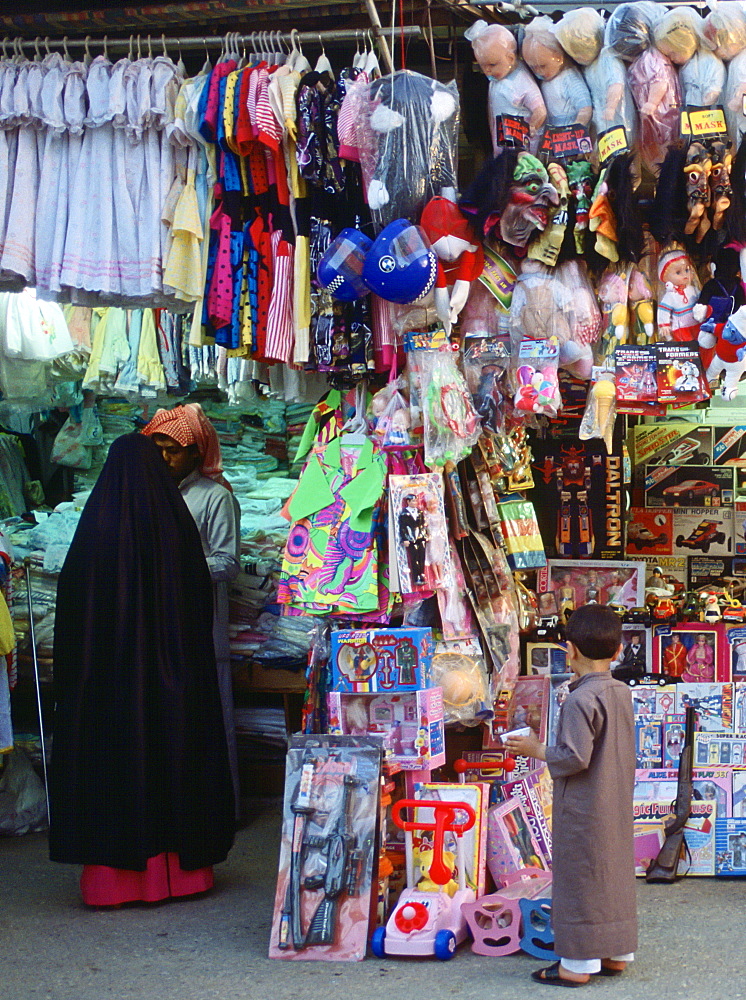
511	845
512	89
563	88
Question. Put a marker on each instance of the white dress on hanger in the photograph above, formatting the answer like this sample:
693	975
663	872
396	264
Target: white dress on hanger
142	177
63	104
164	89
7	139
89	260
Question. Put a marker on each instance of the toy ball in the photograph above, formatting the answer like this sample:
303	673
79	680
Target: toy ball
400	265
458	688
340	269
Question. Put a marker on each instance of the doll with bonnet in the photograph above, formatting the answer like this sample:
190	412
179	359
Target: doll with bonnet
512	89
563	88
651	76
676	305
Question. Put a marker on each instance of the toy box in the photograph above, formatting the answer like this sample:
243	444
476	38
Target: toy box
711	785
637	653
528	706
534	790
729	445
674	735
511	845
713	704
730	847
559	688
409	723
692	652
709	571
368	660
654	793
522	765
671	443
739	792
653	699
648	741
649	838
718	749
544	658
739	708
584	581
703	531
650	531
673	569
475	839
688	486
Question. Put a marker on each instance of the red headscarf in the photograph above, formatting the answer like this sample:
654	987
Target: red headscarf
188	425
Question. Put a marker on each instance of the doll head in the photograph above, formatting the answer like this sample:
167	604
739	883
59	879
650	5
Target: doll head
725	30
541	51
581	34
495	48
678	34
675	269
629	31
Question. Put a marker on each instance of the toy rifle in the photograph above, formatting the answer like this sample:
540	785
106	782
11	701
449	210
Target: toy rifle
341	874
665	866
291	932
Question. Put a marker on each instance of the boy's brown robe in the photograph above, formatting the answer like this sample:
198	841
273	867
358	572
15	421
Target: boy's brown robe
594	907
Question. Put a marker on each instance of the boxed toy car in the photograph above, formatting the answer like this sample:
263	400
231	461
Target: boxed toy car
703	531
410	724
671	443
688	486
384	659
719	749
729	445
650	531
710	571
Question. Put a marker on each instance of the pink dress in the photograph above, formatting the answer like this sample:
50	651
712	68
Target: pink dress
163	878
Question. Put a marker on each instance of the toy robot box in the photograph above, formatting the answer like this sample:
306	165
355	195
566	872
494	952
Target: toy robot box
688	486
648	741
370	660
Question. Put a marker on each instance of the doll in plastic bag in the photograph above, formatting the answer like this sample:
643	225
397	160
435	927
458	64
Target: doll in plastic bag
581	34
678	298
651	76
512	89
734	96
563	88
408	143
725	29
613	104
679	36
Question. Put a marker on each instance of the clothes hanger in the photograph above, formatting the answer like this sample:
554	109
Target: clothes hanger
5	50
150	49
87	53
207	68
372	67
46	45
163	43
37	50
355	429
139	50
360	56
322	63
131	50
106	47
180	67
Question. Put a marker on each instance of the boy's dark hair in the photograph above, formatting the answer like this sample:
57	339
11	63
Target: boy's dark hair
596	630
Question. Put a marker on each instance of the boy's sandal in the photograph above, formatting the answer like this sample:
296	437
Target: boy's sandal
551	977
606	971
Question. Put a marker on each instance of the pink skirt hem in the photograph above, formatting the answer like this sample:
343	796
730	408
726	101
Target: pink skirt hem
163	878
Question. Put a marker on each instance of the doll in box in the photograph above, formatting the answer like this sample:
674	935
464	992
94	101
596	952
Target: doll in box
676	305
651	76
512	89
563	88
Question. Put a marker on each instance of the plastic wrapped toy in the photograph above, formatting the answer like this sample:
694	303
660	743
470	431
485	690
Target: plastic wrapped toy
536	378
452	426
734	96
512	89
600	411
729	352
679	35
459	252
725	29
629	30
679	297
612	99
562	85
408	142
580	32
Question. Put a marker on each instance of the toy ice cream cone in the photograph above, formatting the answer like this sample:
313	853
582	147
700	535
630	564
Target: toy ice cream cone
604	393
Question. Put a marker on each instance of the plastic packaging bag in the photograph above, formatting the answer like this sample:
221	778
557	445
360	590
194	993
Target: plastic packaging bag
452	426
580	32
612	99
23	805
68	449
458	668
629	30
725	29
408	143
536	376
562	85
389	419
703	79
600	410
734	96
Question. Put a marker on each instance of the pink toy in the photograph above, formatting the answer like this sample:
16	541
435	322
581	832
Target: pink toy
730	352
538	391
563	88
655	88
676	305
513	91
429	922
495	920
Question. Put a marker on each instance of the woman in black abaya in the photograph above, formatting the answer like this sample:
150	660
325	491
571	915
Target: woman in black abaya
140	785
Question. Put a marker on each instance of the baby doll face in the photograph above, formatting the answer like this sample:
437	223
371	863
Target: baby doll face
496	53
679	273
545	62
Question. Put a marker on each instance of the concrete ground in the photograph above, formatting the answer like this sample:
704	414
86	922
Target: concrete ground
54	948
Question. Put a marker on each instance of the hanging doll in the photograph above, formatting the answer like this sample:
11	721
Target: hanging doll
724	30
651	76
564	91
734	96
511	198
679	36
721	296
729	352
512	89
676	305
459	252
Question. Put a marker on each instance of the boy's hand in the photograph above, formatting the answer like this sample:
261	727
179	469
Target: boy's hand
526	746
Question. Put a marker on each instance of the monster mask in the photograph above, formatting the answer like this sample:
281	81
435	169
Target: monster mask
697	170
720	189
530	202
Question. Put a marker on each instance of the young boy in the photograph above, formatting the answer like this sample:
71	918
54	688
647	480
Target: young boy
594	907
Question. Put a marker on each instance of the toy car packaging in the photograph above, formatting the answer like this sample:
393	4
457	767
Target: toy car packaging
672	443
327	852
729	446
681	380
710	571
699	531
692	486
650	532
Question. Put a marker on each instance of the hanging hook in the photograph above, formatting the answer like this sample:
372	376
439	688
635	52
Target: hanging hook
163	43
150	49
37	52
106	46
139	50
5	51
64	48
131	50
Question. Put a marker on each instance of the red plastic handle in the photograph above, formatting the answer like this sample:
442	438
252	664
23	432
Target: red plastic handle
461	766
445	816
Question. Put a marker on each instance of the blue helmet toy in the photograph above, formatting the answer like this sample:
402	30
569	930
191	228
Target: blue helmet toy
340	269
400	266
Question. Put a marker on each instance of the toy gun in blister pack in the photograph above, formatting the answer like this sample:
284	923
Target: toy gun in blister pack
664	867
291	931
341	874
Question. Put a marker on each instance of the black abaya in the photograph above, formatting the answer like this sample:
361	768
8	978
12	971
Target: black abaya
139	757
